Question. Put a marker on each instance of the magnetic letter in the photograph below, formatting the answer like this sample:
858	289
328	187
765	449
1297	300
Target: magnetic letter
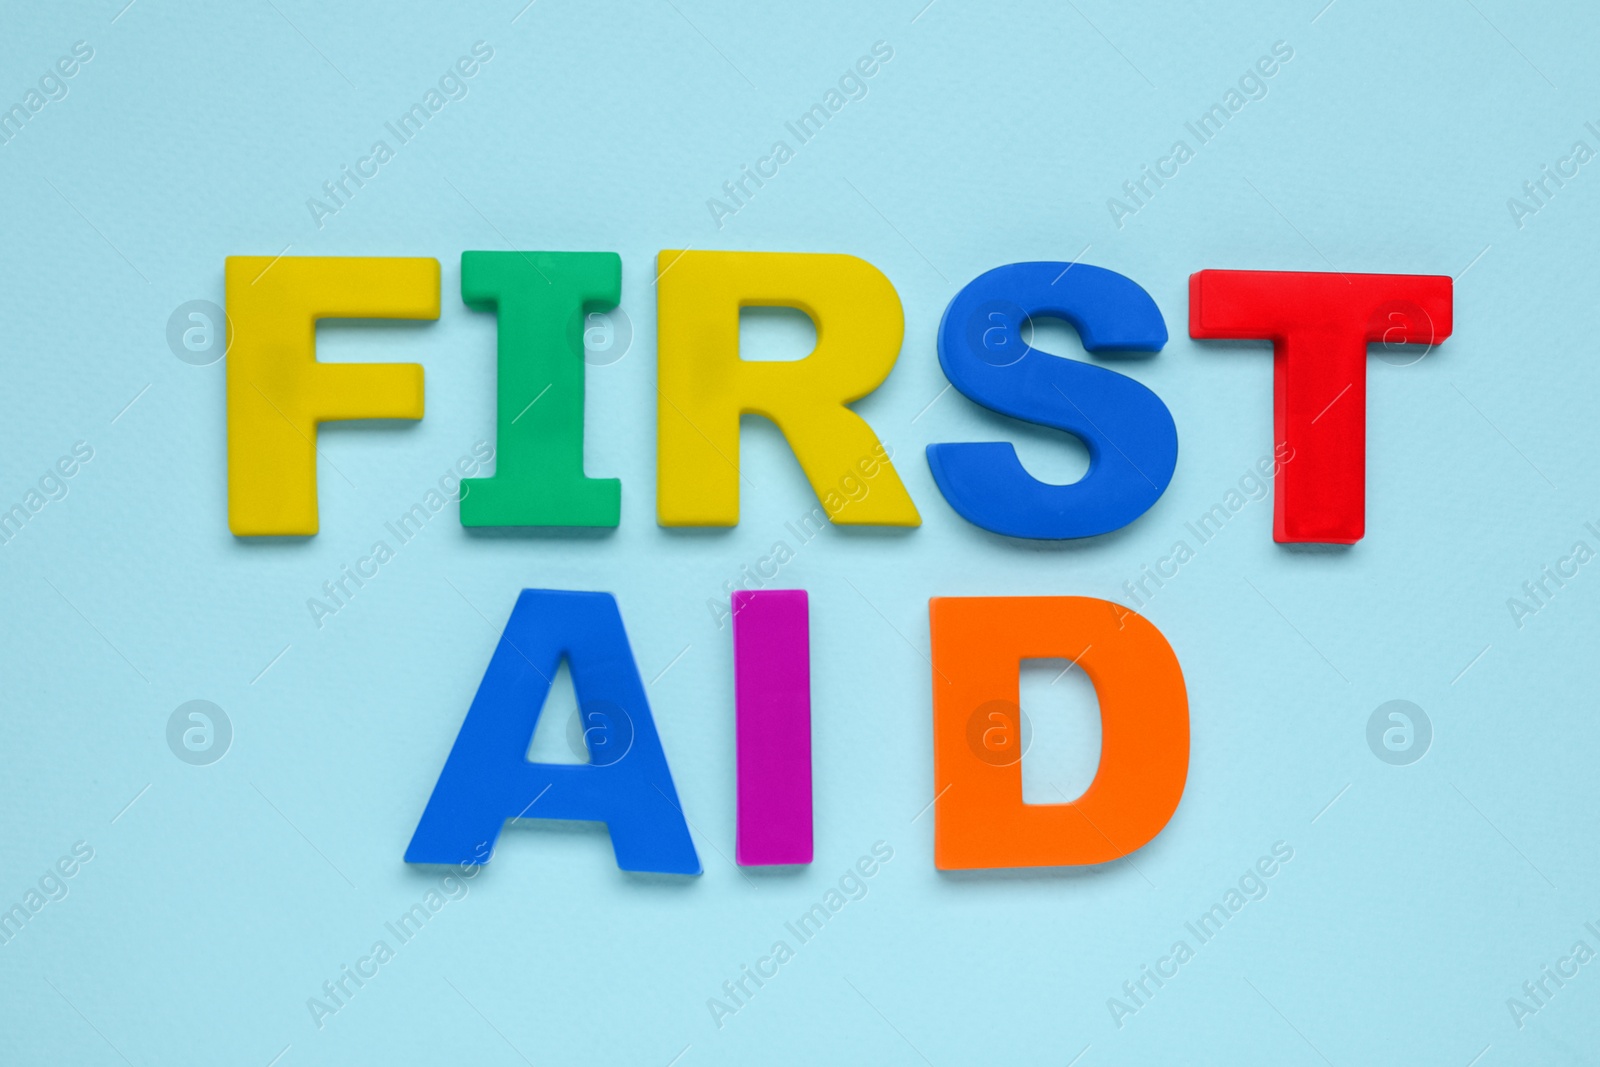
539	300
1320	326
1132	441
980	818
704	386
772	698
277	390
488	779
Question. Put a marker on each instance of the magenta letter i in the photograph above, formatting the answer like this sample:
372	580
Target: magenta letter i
772	709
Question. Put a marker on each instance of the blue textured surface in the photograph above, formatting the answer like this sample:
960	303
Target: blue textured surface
221	898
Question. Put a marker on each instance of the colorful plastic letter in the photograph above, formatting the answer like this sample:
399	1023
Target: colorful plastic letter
980	818
488	779
539	299
704	386
1320	326
772	700
1132	442
277	390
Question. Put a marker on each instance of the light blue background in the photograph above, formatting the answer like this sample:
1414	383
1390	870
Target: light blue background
224	896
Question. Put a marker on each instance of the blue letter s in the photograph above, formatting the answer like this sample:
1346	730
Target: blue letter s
1132	441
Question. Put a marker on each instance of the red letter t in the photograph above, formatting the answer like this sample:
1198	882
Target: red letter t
1320	326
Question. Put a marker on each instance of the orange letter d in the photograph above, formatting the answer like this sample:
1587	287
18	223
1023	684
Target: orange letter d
980	819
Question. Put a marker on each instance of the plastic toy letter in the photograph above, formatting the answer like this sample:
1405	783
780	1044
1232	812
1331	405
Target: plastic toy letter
704	386
772	698
1130	435
277	390
488	779
1320	326
539	299
980	818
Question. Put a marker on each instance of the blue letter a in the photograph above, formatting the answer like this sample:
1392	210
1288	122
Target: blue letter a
488	779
